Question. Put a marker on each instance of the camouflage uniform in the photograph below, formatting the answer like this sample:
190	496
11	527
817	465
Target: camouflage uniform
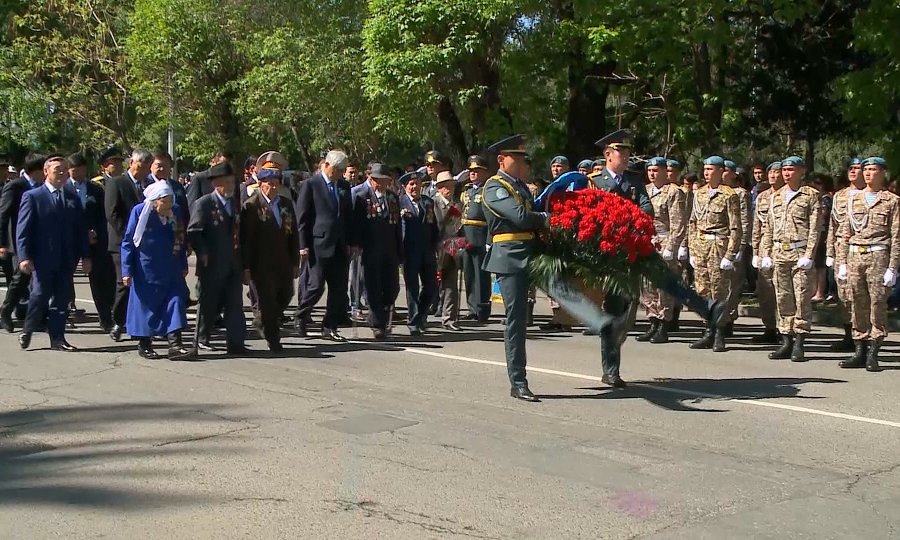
765	288
838	217
715	234
791	234
870	246
739	276
669	219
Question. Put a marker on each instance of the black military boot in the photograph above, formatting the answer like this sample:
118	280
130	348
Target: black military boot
706	341
648	335
858	359
719	341
769	337
846	343
787	347
530	313
675	325
177	351
662	335
728	330
798	354
872	356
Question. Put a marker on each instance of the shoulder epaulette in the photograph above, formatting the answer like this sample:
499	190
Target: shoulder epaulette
98	179
727	190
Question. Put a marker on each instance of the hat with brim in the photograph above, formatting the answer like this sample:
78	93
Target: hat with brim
435	156
270	165
410	177
379	171
111	153
477	162
220	170
515	145
617	140
443	178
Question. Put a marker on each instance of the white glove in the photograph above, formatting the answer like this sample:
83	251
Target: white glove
739	256
726	264
693	262
766	263
667	255
683	254
829	262
754	262
842	272
890	278
804	263
487	248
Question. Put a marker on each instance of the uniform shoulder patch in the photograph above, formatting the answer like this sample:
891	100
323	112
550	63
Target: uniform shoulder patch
501	193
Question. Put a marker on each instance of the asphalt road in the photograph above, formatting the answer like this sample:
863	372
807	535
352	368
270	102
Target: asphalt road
418	439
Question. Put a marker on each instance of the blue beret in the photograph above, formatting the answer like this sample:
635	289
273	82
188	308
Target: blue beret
560	159
673	163
585	164
656	162
716	161
853	161
793	161
879	161
730	165
775	166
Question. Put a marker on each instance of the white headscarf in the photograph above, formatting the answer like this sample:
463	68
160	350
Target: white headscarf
154	192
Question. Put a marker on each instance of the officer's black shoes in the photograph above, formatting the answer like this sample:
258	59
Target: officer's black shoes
648	335
613	380
523	393
471	317
661	335
705	342
675	323
716	312
178	352
275	346
238	350
452	327
769	337
116	333
24	340
6	323
719	341
205	346
858	360
300	325
787	348
872	356
798	353
332	334
62	346
148	353
379	334
846	343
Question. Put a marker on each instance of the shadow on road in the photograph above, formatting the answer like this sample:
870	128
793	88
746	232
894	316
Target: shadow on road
97	456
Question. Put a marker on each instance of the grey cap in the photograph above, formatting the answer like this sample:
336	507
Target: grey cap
379	170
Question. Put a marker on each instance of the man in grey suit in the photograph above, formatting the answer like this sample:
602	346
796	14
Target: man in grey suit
512	224
213	233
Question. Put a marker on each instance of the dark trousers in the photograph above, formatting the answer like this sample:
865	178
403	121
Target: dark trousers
17	289
382	282
218	293
103	285
120	302
6	266
478	283
51	288
610	347
420	279
273	296
332	272
514	289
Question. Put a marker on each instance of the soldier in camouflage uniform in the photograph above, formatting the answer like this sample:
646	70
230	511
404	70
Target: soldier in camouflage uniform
739	276
715	238
765	288
868	256
838	216
673	175
670	222
789	242
478	281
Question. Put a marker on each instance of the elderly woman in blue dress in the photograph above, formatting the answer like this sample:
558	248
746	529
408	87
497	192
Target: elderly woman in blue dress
154	264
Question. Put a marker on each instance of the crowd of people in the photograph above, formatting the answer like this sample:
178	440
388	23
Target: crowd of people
353	232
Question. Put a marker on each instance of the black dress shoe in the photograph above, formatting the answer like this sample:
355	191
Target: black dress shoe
7	324
116	333
471	317
106	326
276	347
452	327
24	340
300	325
523	393
148	353
63	346
613	380
332	334
379	334
238	350
206	347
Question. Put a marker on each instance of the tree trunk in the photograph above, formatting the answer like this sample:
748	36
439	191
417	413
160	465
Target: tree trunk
452	131
810	157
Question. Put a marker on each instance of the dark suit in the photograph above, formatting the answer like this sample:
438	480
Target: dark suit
270	253
325	229
103	273
214	232
122	194
51	234
10	203
420	240
200	185
381	239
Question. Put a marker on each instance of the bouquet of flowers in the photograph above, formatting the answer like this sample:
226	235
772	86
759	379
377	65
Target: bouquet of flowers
452	247
598	240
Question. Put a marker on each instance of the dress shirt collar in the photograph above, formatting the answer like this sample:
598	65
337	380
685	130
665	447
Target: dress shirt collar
224	201
51	188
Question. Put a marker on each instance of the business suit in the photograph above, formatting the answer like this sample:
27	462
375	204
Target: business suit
325	228
269	251
52	235
420	240
103	273
10	205
200	185
214	232
122	194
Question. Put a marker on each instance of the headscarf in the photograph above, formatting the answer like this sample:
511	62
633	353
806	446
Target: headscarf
154	192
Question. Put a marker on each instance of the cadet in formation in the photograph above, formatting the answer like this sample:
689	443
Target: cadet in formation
789	241
478	281
765	287
739	276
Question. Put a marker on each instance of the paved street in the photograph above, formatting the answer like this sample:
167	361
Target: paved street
418	439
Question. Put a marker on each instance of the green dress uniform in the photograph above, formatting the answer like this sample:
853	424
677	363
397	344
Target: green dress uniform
475	229
512	223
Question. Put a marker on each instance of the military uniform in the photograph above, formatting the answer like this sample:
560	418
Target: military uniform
512	223
838	217
765	287
739	276
869	255
478	282
789	242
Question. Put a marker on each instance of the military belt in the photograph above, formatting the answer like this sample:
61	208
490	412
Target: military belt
711	236
868	249
791	246
475	222
512	237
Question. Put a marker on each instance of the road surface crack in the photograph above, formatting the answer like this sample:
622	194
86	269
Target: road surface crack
204	437
438	525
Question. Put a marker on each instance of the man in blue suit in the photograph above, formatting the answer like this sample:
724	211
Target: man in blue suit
420	241
50	240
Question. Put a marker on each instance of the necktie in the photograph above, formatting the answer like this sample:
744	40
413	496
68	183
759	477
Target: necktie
59	200
334	199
